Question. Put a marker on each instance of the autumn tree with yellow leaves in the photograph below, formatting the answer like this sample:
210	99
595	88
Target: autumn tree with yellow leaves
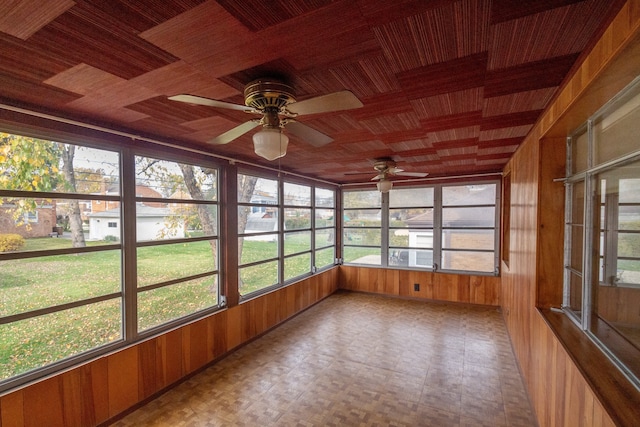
31	164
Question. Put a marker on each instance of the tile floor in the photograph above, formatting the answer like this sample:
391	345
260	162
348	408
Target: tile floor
359	360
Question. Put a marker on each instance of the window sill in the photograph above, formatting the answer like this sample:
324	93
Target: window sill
619	397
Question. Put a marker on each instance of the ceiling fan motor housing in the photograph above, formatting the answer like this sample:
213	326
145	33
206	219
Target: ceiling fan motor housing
384	164
263	94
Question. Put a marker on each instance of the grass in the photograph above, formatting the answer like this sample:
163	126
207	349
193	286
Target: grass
35	283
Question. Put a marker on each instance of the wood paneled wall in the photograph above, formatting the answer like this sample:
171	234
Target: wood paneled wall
435	286
560	394
99	390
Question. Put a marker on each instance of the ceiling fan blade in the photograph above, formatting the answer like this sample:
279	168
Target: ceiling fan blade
191	99
234	133
308	134
336	101
416	174
377	177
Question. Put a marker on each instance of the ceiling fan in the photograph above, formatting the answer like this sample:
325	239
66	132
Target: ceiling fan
275	101
386	168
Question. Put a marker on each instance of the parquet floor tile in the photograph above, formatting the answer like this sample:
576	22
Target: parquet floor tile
358	360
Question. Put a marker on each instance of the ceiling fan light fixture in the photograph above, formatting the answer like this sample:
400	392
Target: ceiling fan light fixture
384	185
270	143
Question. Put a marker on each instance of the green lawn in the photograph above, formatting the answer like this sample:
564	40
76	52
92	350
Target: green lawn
35	283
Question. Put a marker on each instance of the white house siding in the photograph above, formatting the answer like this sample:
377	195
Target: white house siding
151	224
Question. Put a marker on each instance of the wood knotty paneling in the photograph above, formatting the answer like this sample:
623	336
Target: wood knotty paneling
95	392
561	392
435	286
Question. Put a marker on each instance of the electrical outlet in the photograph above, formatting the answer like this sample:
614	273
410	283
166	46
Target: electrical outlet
416	287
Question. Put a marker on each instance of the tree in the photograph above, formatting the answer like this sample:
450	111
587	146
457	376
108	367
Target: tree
31	164
28	164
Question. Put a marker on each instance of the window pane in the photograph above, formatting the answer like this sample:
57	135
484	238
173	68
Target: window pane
411	258
362	199
575	297
297	242
325	237
577	203
411	197
616	134
35	283
363	237
576	245
157	264
399	238
161	221
297	219
629	274
258	277
629	245
254	190
297	195
417	218
467	260
297	266
160	305
325	218
411	238
325	198
484	194
357	255
462	217
629	192
105	222
468	239
257	248
257	219
95	171
164	179
579	152
325	257
362	218
46	224
40	341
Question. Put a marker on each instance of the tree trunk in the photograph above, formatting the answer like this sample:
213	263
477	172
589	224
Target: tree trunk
75	217
207	220
246	186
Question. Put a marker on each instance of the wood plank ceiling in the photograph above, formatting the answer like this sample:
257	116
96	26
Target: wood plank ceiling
448	87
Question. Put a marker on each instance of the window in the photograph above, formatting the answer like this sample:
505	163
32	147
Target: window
258	233
31	216
411	227
60	297
445	227
286	231
506	218
602	231
362	213
176	216
64	300
324	227
469	227
297	230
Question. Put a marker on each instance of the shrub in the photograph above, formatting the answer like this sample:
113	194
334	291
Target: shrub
11	242
110	238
